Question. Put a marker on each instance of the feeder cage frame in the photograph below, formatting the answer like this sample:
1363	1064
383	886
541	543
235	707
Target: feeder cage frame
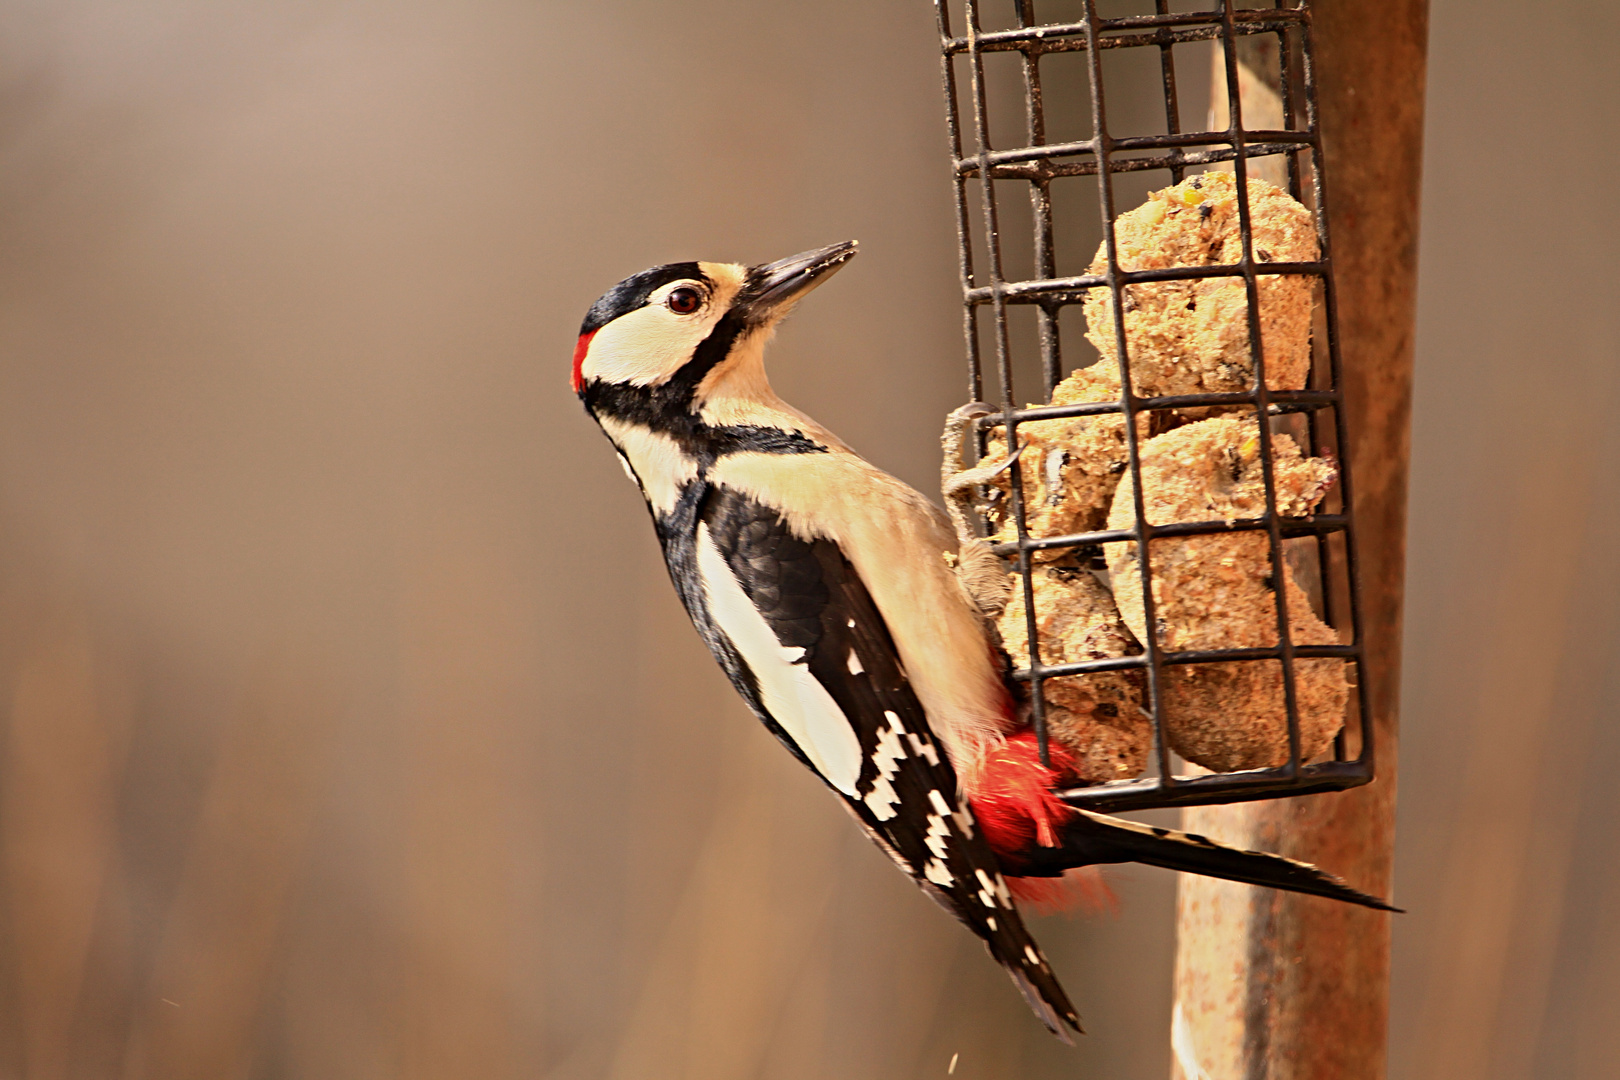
987	291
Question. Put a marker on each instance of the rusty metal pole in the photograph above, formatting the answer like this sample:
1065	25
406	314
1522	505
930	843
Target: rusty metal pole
1274	985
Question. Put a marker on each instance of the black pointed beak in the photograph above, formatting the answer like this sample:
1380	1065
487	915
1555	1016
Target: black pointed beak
774	287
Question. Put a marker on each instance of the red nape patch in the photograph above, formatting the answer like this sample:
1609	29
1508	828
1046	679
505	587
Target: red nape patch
1082	889
580	350
1011	793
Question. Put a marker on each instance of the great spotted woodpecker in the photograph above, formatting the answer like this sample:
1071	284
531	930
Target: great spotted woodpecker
821	585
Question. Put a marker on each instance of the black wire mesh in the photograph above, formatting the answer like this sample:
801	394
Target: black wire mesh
1185	42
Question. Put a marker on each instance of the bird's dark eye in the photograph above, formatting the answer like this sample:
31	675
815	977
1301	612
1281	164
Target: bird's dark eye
684	301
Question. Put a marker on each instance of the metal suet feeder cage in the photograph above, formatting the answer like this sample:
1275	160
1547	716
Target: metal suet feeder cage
1015	325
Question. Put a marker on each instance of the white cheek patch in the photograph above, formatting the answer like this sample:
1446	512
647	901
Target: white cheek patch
644	347
793	697
654	461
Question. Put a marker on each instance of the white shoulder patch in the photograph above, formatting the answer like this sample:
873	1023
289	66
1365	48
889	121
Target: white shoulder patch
793	697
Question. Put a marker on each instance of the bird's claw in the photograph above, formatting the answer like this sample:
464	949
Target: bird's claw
983	474
981	571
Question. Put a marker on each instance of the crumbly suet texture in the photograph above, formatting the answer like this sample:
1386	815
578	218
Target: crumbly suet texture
1070	466
1216	592
1098	716
1192	337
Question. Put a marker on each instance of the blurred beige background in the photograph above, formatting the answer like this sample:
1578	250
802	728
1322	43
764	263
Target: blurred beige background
351	729
1509	829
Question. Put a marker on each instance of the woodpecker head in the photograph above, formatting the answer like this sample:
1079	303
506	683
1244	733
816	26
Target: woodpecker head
667	336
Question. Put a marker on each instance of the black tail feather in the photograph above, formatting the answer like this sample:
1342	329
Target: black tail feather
1048	1001
1090	838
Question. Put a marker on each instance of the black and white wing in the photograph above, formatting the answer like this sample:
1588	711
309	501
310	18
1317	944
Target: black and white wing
796	629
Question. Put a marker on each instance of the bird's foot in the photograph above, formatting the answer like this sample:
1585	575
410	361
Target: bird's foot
980	570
